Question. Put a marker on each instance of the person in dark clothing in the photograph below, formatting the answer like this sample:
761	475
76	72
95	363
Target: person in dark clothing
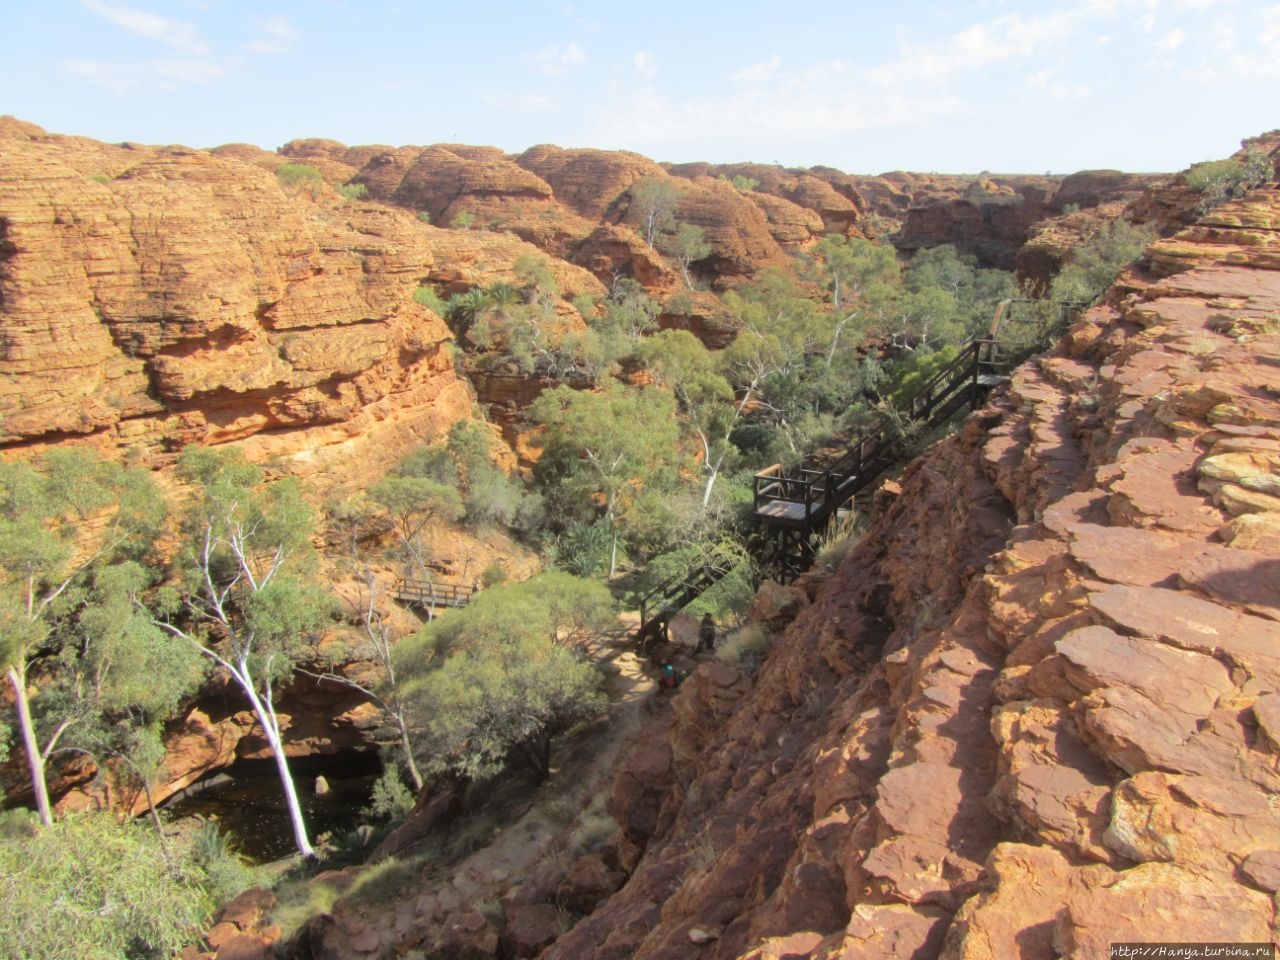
706	634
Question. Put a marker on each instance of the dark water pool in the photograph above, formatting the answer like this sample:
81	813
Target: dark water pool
246	799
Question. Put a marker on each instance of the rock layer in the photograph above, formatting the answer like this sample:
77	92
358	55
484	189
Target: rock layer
158	297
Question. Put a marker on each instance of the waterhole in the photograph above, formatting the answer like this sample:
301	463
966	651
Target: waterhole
247	801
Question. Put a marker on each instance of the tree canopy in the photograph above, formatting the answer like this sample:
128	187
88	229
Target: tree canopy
71	530
496	680
604	451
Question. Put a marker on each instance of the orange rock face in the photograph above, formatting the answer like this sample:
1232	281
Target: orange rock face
155	297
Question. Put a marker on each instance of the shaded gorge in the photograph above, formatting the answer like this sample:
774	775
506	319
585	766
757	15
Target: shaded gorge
246	800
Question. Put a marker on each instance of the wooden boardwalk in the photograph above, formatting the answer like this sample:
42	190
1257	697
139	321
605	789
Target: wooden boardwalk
431	594
792	508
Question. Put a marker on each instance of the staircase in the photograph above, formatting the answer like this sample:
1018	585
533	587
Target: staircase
664	601
793	507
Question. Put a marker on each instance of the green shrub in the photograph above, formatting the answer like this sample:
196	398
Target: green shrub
746	646
298	900
428	297
226	872
90	888
680	305
392	799
492	499
593	829
582	549
838	540
494	574
299	178
585	304
1220	180
352	191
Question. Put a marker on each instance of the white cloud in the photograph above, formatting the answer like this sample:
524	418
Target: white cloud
1046	85
554	61
1238	56
278	36
164	74
1172	40
643	64
190	59
758	73
177	34
923	83
979	45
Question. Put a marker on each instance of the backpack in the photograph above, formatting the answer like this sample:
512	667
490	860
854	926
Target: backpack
668	677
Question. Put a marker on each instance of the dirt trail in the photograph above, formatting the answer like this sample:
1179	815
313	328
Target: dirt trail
581	771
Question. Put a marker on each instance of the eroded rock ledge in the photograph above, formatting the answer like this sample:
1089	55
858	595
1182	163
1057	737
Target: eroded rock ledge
1035	711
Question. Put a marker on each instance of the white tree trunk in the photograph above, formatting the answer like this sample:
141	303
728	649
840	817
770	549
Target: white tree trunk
415	775
266	714
35	760
714	471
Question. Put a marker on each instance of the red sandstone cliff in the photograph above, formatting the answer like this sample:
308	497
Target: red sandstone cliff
155	297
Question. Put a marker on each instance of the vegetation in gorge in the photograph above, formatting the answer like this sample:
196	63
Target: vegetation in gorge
1095	263
75	536
615	448
90	887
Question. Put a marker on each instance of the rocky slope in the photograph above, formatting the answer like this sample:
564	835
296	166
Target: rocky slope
1049	728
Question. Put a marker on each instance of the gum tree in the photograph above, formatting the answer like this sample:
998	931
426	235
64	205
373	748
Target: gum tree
59	523
687	245
676	359
606	450
494	682
242	597
655	199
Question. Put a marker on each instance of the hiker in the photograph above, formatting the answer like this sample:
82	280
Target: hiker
667	678
706	635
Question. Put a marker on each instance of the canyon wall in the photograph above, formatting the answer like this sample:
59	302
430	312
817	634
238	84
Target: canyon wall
155	297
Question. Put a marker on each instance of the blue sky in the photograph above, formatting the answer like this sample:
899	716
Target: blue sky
1000	85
